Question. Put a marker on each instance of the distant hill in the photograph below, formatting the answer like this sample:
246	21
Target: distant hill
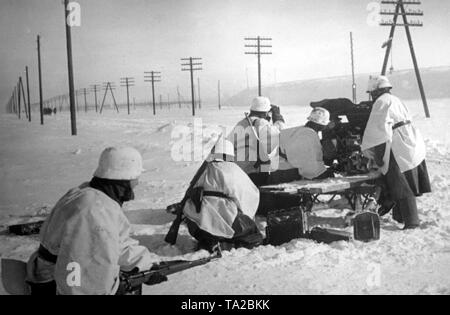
436	82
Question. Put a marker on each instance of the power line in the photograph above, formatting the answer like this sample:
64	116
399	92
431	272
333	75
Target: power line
152	77
95	88
127	82
28	93
193	65
109	86
73	116
401	11
258	40
85	100
353	69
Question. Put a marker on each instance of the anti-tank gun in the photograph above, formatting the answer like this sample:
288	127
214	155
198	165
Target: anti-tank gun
342	139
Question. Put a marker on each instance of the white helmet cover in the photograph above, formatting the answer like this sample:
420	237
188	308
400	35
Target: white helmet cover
122	163
320	115
260	104
378	82
223	146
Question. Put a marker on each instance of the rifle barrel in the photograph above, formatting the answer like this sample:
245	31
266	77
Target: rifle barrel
170	267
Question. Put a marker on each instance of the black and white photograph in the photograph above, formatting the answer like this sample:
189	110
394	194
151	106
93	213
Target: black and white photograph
227	152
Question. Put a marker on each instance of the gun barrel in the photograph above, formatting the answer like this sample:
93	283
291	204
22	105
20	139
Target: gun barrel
178	267
169	267
129	282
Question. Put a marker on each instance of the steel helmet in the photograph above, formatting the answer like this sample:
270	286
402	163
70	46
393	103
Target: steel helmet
378	82
122	163
222	147
260	104
320	115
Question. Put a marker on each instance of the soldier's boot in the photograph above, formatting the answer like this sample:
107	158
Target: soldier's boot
409	213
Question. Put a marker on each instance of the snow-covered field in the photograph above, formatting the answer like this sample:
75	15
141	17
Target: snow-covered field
40	163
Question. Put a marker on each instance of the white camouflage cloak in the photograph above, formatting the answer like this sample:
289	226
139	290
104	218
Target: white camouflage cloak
87	229
406	141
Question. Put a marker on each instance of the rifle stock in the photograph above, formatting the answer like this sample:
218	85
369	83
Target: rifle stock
131	283
172	235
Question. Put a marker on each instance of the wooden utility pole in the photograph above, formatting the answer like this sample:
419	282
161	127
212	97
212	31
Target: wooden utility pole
21	89
73	114
127	82
353	69
85	100
15	99
391	33
400	11
95	88
258	52
109	86
193	65
153	77
19	98
28	94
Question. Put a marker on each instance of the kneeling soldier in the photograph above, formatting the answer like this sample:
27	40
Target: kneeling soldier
223	203
86	242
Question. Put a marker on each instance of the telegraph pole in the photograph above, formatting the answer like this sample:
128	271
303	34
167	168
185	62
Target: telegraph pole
85	101
41	101
109	86
18	98
25	107
127	82
388	44
15	99
193	65
400	11
73	115
153	77
353	69
257	43
95	88
28	93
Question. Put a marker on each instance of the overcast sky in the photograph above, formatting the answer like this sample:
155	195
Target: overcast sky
126	37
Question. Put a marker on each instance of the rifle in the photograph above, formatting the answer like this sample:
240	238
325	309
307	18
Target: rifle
177	208
131	283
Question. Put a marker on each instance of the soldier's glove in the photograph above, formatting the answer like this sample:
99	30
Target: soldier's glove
276	114
156	278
